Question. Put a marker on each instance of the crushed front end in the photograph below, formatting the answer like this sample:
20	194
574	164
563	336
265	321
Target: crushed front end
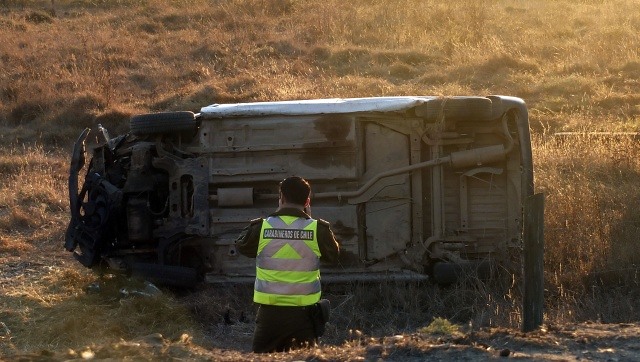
135	211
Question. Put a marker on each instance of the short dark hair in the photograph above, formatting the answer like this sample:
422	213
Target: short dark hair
295	190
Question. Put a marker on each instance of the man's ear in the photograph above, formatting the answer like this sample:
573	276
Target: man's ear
308	202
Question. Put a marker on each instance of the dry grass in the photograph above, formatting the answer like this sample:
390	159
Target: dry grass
47	308
33	206
592	225
87	62
574	63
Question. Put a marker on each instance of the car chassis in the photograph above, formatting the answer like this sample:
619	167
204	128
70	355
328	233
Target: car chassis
413	187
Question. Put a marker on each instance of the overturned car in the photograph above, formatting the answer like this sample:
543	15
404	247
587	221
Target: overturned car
413	187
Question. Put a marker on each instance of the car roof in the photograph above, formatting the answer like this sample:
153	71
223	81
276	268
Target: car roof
314	106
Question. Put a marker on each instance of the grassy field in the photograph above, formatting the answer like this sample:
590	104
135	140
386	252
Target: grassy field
81	62
70	64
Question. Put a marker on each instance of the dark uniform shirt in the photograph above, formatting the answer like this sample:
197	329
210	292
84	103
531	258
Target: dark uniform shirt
281	328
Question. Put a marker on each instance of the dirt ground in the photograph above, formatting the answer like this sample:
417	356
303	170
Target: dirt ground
589	341
576	342
597	342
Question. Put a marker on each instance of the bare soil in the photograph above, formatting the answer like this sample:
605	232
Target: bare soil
587	341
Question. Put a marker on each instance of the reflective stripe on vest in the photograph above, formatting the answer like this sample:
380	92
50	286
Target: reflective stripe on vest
288	262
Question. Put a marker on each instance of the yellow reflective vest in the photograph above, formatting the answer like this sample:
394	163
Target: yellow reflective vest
288	262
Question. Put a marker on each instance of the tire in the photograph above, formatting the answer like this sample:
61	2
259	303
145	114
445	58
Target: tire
163	123
166	275
497	109
447	273
457	109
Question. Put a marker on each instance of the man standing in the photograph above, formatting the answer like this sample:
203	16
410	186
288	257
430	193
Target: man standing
288	246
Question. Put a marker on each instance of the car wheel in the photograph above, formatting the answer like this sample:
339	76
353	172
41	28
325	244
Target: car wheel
445	273
163	122
456	109
166	275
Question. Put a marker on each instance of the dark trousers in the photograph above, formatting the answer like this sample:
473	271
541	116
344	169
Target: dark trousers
280	329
